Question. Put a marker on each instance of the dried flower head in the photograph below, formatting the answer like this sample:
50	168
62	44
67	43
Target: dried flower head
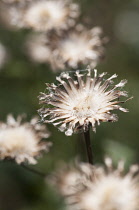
77	104
47	15
102	188
69	180
12	15
37	48
22	141
89	48
3	55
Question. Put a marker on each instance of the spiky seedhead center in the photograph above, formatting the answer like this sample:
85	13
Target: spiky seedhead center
83	108
87	106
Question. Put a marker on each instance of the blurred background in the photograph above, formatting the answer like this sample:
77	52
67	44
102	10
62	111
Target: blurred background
21	81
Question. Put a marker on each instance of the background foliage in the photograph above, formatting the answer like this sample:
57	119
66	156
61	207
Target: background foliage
20	84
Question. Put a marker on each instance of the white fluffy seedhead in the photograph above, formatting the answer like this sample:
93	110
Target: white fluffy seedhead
81	100
79	47
40	15
46	15
95	188
22	141
12	15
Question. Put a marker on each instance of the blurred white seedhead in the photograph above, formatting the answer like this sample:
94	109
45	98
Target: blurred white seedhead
37	48
22	141
15	1
3	55
81	100
79	47
12	15
70	180
45	15
101	188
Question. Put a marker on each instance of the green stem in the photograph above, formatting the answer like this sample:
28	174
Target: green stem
26	167
34	171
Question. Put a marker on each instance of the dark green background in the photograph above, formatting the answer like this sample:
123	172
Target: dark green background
20	84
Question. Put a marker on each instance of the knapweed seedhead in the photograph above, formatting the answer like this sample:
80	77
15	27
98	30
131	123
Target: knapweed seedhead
22	141
96	188
40	15
81	100
45	15
89	48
